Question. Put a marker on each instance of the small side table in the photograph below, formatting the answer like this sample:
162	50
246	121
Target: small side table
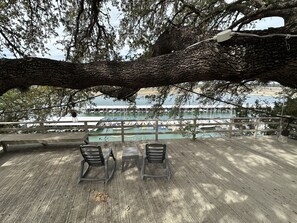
130	154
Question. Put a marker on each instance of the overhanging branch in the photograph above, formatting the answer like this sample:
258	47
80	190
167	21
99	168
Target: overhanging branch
236	60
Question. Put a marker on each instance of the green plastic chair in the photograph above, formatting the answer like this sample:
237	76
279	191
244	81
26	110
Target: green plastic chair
93	156
155	154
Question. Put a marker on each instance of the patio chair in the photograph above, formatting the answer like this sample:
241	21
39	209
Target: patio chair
155	154
93	156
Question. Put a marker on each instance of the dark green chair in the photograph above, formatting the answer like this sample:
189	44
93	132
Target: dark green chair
155	154
93	156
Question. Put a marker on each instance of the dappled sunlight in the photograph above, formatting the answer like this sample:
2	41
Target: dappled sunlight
291	159
247	162
290	156
226	170
54	161
241	166
211	188
234	197
178	210
219	177
12	160
180	172
140	213
97	208
67	159
168	215
157	193
212	181
260	216
206	206
280	214
255	160
29	175
228	196
263	175
173	194
204	156
132	177
291	177
227	219
8	163
293	185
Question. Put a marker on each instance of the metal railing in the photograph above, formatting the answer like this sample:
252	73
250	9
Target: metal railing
192	128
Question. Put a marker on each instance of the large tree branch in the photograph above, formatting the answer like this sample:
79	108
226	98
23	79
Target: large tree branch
237	60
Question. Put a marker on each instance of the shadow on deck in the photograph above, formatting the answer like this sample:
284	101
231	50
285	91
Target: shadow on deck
214	180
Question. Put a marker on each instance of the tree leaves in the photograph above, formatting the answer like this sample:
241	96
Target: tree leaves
85	31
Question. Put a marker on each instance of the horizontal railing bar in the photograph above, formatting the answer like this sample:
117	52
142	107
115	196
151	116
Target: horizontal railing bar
120	127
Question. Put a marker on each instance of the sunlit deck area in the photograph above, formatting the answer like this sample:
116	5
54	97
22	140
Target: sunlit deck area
214	180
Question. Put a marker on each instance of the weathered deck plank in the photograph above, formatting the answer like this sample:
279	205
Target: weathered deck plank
207	188
271	179
228	186
30	188
24	187
57	205
254	178
214	180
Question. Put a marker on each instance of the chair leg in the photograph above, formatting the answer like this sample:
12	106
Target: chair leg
122	166
111	155
142	169
81	173
168	172
106	171
107	175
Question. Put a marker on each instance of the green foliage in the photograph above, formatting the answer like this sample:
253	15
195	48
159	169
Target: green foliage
27	26
289	108
190	132
189	129
86	32
38	103
144	21
91	30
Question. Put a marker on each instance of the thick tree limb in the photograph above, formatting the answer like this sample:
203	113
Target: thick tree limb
237	60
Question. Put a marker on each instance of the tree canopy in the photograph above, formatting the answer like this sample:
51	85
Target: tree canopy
91	34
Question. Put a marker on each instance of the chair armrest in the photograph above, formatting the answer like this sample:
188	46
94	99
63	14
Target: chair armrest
82	161
107	154
144	156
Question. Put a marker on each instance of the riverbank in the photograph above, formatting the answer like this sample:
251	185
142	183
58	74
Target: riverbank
259	91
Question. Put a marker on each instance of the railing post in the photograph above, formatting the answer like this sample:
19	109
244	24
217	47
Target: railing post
122	131
257	126
86	127
230	127
156	130
194	129
42	127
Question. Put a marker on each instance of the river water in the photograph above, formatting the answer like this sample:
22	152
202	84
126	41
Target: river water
141	100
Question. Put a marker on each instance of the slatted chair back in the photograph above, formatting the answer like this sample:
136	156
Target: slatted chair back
155	153
92	154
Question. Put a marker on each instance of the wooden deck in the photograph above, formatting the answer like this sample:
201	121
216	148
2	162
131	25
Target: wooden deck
214	180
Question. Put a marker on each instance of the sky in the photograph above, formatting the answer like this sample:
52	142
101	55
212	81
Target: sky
269	22
115	18
56	50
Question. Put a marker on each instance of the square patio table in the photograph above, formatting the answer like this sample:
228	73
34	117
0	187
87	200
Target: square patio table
130	154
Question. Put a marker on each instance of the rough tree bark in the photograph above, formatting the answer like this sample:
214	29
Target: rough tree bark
237	60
